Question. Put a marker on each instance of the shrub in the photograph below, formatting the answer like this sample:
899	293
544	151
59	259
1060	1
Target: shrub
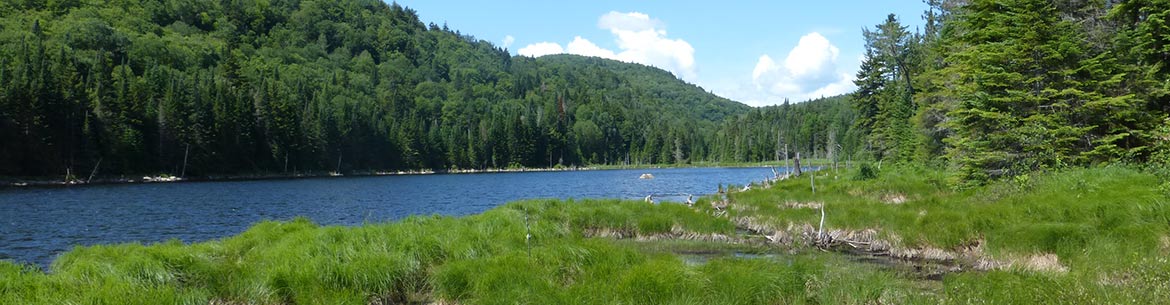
866	172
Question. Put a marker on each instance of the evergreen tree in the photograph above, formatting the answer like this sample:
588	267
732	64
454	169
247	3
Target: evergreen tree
1019	95
885	90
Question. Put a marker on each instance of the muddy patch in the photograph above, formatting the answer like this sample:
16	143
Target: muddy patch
699	258
1043	262
894	198
871	245
802	205
676	233
921	270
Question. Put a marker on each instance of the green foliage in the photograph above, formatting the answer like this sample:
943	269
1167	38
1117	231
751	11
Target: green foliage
1107	225
1016	109
818	128
1161	149
1085	216
866	171
1002	88
885	87
1142	39
213	87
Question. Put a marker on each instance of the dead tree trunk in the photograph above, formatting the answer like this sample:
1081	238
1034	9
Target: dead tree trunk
787	165
796	164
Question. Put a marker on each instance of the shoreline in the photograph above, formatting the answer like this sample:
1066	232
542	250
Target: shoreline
15	183
18	183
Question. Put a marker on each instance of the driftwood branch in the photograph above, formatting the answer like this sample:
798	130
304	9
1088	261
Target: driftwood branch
821	227
183	173
94	171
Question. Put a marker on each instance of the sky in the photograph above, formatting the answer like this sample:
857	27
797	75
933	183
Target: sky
756	52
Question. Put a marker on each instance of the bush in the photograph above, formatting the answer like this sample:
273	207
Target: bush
866	172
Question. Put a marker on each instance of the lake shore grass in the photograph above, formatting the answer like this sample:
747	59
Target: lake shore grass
776	164
1085	236
1106	230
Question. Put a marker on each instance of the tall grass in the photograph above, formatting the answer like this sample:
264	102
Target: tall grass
298	262
1108	225
1065	213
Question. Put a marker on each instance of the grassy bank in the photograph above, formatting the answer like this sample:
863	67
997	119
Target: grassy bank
1097	235
1107	229
803	162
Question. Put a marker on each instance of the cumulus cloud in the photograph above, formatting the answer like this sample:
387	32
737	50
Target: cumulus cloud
582	46
639	38
809	71
541	49
632	21
508	41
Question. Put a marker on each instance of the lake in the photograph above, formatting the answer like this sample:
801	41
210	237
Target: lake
37	224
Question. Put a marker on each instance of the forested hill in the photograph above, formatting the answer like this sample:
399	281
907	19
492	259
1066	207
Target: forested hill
821	128
284	86
668	93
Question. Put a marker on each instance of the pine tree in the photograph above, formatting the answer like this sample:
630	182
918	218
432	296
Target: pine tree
1021	92
884	98
1141	80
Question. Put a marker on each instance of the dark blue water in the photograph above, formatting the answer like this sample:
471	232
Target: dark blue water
38	224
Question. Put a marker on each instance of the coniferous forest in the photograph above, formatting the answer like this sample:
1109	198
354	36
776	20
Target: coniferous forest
1003	88
989	89
1025	145
215	87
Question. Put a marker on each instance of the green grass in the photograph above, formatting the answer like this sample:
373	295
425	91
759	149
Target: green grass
1108	225
803	162
481	259
1061	213
298	262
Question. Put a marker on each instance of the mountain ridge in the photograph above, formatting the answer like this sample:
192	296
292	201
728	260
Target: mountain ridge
199	88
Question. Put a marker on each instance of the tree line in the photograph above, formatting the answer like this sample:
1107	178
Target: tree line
1000	88
285	86
989	88
821	128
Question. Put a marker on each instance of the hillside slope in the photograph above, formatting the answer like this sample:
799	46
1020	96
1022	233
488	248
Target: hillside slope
214	87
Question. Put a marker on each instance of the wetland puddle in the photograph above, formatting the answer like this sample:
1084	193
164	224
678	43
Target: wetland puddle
912	270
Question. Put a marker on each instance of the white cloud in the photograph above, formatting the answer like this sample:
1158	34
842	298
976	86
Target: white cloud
582	46
813	55
763	66
508	41
541	49
809	71
632	21
639	38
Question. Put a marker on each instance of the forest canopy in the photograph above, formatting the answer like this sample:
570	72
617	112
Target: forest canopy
283	86
1002	88
988	88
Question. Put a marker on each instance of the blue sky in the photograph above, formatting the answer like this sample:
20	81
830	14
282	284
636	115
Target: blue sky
755	52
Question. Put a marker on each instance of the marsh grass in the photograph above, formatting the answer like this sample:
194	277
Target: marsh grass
1104	224
298	262
1062	213
803	162
1108	225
